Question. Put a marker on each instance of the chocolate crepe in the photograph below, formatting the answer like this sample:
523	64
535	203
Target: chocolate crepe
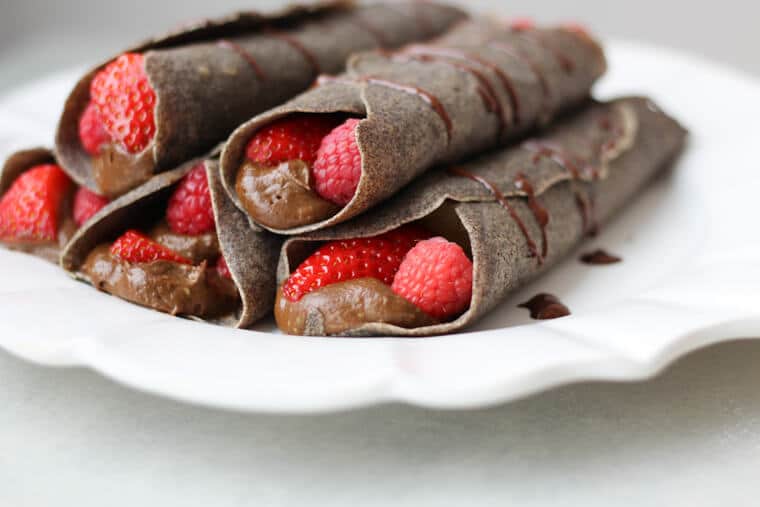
577	175
476	87
214	75
14	166
251	255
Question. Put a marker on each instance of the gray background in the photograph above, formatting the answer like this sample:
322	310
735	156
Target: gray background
690	436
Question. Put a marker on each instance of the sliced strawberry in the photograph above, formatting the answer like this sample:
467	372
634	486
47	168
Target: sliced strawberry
86	204
133	246
338	261
126	102
30	209
189	210
290	138
222	268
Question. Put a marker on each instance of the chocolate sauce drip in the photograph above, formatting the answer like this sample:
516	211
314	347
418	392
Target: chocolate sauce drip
485	90
504	79
600	257
382	42
295	44
532	65
458	171
248	57
545	306
428	97
539	212
567	64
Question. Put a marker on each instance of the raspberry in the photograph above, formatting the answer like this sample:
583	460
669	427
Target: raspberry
436	276
189	210
126	102
291	138
133	246
522	24
30	209
338	261
92	132
86	204
338	167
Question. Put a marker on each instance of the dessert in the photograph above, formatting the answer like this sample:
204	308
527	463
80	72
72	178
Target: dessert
512	213
40	208
175	245
173	98
394	115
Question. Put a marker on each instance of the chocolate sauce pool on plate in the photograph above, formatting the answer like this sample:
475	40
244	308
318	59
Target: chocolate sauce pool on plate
545	307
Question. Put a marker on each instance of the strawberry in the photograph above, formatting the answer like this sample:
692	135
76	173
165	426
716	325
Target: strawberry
291	138
133	246
222	268
126	102
436	276
30	209
86	204
189	210
92	132
337	261
338	167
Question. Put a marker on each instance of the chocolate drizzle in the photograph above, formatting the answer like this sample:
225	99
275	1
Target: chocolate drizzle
428	97
545	306
532	65
245	55
502	199
441	53
600	257
539	212
295	44
567	64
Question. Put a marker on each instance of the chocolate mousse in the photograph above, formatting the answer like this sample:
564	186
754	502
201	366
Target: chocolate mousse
115	171
170	287
197	248
282	196
338	307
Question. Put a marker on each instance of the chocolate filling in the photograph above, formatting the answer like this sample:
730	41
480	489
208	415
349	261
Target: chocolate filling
170	287
338	307
281	197
196	248
116	171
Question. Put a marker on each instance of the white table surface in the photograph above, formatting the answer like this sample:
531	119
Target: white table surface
689	437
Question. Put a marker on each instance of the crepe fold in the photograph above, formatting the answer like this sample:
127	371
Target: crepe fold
477	87
212	76
583	170
251	255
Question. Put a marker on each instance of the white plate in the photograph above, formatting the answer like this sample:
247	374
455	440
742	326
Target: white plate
690	277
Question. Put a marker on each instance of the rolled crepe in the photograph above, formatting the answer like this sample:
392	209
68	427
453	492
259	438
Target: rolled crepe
516	211
251	256
212	76
475	88
15	166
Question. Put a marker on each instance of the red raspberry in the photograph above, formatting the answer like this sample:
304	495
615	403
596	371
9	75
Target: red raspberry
436	275
133	246
86	204
92	132
291	138
222	268
30	209
337	261
189	210
126	102
338	166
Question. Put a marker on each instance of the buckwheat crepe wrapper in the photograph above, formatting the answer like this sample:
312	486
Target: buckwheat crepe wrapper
15	165
251	255
204	90
402	135
649	141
